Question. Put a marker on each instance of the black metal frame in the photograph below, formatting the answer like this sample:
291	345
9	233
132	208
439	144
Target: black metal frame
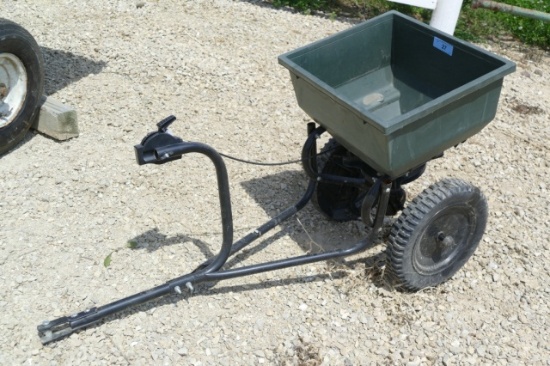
160	147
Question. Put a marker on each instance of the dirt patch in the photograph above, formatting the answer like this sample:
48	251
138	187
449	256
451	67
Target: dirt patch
523	108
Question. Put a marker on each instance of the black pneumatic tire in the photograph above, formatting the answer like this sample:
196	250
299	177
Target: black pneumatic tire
436	234
19	100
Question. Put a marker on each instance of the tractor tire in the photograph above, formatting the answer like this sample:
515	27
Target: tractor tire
21	83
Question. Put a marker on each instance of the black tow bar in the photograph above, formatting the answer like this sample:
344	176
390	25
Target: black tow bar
160	147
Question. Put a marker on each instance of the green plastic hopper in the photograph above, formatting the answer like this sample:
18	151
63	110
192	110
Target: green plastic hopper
397	92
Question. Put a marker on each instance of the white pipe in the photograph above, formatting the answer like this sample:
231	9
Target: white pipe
445	15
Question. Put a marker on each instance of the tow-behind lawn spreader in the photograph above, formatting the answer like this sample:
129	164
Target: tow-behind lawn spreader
394	93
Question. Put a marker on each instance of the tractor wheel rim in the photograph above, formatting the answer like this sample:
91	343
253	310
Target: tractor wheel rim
13	87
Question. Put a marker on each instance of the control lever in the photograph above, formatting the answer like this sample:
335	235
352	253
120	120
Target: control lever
146	150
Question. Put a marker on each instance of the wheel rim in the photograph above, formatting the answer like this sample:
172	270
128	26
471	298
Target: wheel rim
444	240
13	87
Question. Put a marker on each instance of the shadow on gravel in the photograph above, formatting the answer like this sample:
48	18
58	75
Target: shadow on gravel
269	5
335	271
153	239
309	228
273	193
28	137
346	12
63	68
176	299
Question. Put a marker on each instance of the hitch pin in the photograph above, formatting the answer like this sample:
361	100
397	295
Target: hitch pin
189	285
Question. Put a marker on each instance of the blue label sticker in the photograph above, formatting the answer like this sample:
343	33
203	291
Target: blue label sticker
443	46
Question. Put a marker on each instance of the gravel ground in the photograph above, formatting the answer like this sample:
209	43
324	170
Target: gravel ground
124	65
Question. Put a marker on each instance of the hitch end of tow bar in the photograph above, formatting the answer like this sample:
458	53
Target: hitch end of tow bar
52	330
146	150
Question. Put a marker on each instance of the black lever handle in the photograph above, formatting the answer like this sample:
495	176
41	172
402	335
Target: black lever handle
163	125
145	151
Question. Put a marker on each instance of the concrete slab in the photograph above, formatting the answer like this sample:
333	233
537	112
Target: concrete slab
56	120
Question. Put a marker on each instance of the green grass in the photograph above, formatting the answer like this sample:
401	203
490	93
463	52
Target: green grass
527	30
473	25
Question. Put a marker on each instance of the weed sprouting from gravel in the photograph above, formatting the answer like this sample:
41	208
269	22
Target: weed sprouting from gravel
352	280
132	244
362	273
312	243
107	260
